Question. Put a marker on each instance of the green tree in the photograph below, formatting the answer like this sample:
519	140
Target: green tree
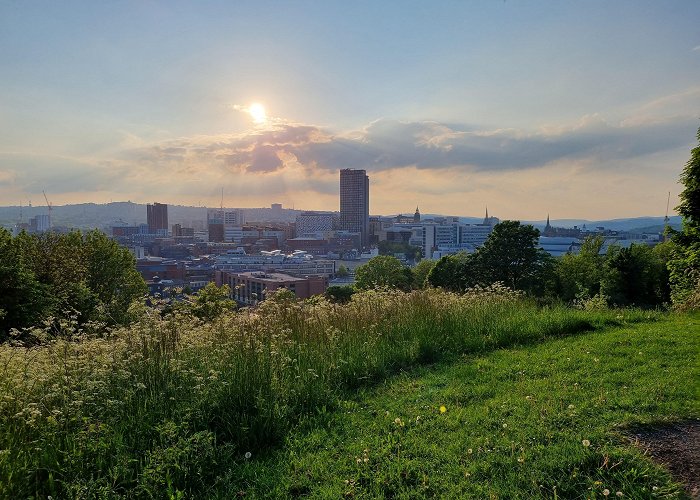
111	275
342	271
24	301
340	294
382	270
421	272
511	255
684	264
634	276
579	275
455	272
212	301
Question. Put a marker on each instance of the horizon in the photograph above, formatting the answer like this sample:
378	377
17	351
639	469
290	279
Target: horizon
582	110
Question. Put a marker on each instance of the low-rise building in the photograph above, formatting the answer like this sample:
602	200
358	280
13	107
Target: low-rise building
249	288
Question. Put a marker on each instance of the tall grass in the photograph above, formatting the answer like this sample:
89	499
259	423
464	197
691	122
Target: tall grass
158	409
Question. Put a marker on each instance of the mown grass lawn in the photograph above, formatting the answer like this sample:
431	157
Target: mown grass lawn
545	420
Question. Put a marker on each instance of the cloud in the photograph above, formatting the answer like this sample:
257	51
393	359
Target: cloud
428	162
390	144
697	48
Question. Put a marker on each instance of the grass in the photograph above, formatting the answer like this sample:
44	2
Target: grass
540	421
167	407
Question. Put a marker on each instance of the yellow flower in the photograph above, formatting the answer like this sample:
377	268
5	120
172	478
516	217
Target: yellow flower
443	409
586	443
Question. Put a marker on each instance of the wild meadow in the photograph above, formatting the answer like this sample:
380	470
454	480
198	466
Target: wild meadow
162	408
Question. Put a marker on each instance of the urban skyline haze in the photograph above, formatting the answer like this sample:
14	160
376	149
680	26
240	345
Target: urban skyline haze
579	110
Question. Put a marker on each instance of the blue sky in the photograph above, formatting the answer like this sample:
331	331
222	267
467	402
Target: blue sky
578	109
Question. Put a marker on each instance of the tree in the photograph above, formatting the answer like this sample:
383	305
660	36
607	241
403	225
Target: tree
111	275
212	301
382	270
684	264
454	272
24	301
340	294
342	271
579	275
634	276
511	255
421	272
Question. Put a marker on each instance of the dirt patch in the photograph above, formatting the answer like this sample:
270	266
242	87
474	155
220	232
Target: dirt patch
676	446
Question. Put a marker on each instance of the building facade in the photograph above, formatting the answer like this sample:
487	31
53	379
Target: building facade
354	203
157	218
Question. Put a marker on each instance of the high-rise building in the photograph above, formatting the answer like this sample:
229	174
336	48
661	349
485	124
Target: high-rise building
157	218
223	224
354	202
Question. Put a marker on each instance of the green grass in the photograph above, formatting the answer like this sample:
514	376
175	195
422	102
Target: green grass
167	407
514	427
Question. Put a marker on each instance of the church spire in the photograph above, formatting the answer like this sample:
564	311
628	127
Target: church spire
416	216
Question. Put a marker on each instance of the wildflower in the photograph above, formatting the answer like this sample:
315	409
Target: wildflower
571	407
505	425
521	459
248	455
529	398
140	385
606	492
619	494
586	443
443	409
470	451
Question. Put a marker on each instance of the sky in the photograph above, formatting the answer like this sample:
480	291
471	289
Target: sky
573	109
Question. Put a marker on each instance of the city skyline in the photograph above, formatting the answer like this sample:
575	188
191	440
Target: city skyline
584	111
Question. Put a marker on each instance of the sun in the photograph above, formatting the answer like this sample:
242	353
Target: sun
257	112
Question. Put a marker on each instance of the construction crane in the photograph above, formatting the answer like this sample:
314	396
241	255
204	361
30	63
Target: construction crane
48	204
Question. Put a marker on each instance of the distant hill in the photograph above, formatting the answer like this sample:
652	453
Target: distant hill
102	216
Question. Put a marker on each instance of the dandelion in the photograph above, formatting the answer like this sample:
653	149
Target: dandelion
470	451
571	407
529	398
248	455
606	492
505	425
619	494
443	409
586	443
521	459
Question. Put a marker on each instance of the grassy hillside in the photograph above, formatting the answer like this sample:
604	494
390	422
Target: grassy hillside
172	406
546	420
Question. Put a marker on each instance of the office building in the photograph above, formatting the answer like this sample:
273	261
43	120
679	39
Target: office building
354	203
157	218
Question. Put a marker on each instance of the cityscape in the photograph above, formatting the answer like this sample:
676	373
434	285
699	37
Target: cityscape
304	254
327	249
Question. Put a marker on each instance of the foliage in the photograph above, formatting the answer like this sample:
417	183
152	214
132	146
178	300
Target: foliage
421	272
381	271
51	276
166	406
635	275
454	272
212	301
393	247
684	265
340	294
342	271
510	256
579	275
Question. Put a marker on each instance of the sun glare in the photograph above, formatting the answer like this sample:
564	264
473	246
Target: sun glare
257	112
